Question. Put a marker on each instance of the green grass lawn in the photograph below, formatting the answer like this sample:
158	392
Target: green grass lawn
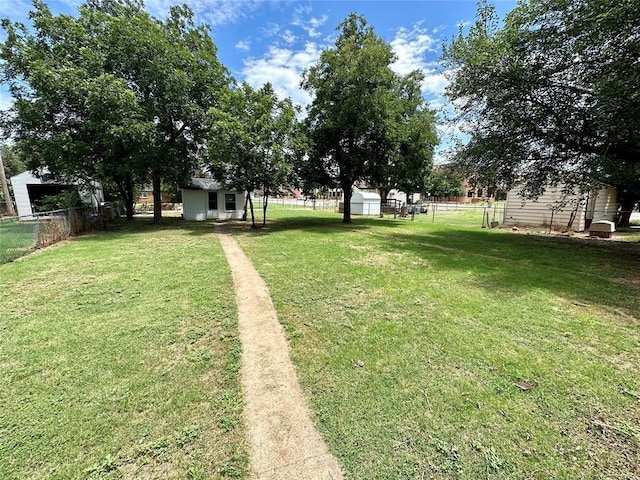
448	351
426	350
119	359
16	239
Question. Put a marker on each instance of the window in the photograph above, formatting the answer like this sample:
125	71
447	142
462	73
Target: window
470	193
229	201
144	194
213	200
479	192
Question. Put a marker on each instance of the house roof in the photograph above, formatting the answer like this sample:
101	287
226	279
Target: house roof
203	184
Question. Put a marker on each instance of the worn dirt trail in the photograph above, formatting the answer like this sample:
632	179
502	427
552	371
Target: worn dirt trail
284	443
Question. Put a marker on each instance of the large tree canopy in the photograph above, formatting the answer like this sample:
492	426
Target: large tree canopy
551	96
365	122
253	142
412	138
112	94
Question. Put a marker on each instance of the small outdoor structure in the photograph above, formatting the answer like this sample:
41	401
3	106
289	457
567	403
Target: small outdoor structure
602	229
206	199
29	191
556	209
365	203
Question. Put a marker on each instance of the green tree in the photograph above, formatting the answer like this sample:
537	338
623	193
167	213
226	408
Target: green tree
113	94
444	181
253	143
551	96
353	88
13	163
412	139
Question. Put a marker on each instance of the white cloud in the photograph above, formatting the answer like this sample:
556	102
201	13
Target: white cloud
434	83
271	29
288	37
213	12
243	45
310	25
302	10
283	68
72	3
416	49
16	10
411	48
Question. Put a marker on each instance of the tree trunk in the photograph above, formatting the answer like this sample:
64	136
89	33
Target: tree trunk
347	190
384	193
125	186
128	208
157	197
5	190
626	208
246	203
265	202
253	217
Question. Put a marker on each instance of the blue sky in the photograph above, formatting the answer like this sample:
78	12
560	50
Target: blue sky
275	40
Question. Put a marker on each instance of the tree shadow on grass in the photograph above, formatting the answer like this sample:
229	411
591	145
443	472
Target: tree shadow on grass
318	224
315	224
583	271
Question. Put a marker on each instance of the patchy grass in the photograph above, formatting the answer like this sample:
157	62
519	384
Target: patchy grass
120	359
436	351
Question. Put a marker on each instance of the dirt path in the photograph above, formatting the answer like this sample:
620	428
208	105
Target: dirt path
284	443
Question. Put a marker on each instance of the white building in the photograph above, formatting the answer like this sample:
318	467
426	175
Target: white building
365	203
204	199
556	208
29	191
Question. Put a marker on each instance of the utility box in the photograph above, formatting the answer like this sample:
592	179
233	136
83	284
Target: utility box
602	229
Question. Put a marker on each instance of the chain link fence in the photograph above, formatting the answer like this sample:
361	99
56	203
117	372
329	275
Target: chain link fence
21	235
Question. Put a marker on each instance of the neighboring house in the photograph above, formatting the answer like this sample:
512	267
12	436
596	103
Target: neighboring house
401	197
204	198
554	208
29	190
473	194
146	196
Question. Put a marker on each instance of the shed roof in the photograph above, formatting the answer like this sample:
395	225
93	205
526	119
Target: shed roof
203	184
365	196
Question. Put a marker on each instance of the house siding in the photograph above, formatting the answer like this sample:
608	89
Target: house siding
599	205
195	205
21	193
